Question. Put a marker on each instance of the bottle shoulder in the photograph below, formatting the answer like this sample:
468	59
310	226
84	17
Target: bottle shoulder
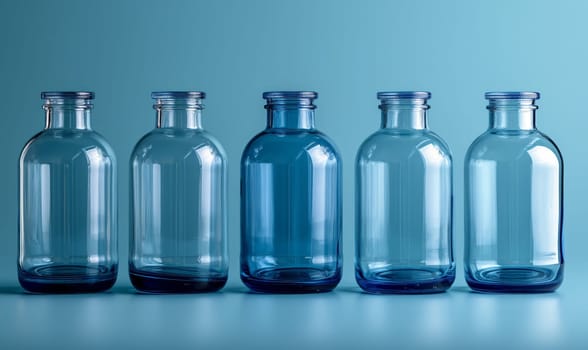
187	137
271	145
390	145
300	137
62	144
512	145
169	144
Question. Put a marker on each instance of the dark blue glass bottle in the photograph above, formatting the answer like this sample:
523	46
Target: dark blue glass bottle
178	237
404	202
290	201
67	194
513	201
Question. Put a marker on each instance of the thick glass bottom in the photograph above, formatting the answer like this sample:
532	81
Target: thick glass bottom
166	279
292	280
531	279
67	278
406	280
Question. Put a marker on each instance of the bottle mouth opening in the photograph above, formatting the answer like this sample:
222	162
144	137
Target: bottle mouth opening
78	100
512	100
178	99
290	95
171	95
512	95
290	99
403	99
401	95
77	95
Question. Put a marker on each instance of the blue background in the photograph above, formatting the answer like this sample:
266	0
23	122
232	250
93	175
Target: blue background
345	50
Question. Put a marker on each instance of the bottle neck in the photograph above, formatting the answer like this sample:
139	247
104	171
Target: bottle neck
512	114
178	118
67	116
406	116
290	118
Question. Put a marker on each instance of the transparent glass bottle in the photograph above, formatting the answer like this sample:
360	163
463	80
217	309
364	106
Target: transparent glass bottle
290	201
67	202
178	239
513	201
404	202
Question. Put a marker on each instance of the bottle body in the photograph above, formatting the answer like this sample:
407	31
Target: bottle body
178	203
404	203
514	205
290	206
67	220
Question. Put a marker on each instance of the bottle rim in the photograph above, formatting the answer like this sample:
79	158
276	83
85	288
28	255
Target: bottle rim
86	95
177	94
384	95
289	94
512	95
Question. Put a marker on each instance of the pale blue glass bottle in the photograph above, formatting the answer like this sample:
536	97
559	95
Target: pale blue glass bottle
404	202
513	201
178	239
67	202
290	201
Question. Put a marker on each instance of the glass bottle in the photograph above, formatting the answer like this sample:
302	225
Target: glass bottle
67	194
178	237
404	202
290	201
513	201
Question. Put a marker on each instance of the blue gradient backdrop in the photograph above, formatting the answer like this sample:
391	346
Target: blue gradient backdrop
345	50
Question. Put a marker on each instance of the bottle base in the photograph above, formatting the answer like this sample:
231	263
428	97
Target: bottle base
292	280
406	281
532	279
67	279
175	280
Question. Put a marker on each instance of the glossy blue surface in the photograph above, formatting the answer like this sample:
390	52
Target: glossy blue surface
346	318
513	202
68	207
178	240
404	202
290	201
